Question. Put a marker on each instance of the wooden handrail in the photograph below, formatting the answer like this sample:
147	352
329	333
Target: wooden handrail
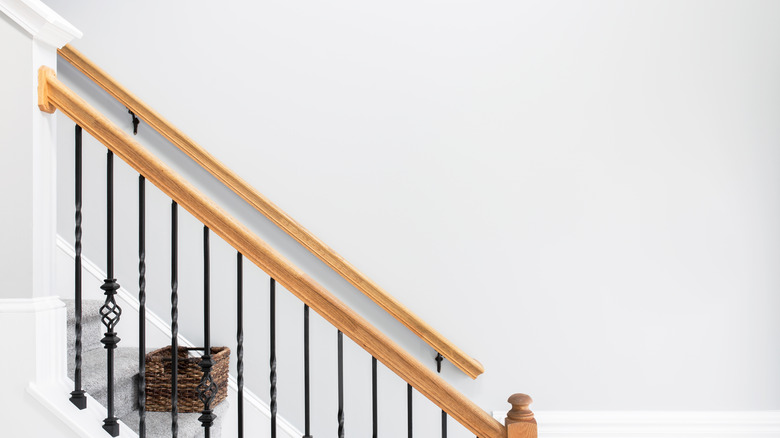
53	94
442	345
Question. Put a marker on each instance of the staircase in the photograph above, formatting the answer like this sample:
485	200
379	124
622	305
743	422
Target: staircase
100	363
158	424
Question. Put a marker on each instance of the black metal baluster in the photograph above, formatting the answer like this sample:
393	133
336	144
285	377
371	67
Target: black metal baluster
439	359
306	387
110	312
341	384
273	358
77	396
409	410
240	340
142	308
207	389
174	320
374	401
443	424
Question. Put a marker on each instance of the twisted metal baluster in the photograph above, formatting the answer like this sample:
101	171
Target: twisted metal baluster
306	386
374	401
409	411
110	312
207	389
240	340
341	383
273	358
174	320
142	308
77	396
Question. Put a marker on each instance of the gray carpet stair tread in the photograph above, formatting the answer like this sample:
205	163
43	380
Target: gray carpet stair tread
91	328
158	424
94	379
90	310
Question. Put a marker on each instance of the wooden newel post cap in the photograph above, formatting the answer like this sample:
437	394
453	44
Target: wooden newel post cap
520	421
520	411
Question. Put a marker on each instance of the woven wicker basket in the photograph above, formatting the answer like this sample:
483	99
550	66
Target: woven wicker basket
158	379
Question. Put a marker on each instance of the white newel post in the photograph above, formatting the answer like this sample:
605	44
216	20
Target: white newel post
32	319
30	33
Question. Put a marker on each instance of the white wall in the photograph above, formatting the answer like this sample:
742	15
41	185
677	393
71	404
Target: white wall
16	133
582	195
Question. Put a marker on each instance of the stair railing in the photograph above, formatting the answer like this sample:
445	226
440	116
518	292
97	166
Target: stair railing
53	95
207	161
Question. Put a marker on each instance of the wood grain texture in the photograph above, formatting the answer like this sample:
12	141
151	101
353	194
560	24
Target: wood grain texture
266	258
520	421
460	359
43	93
522	430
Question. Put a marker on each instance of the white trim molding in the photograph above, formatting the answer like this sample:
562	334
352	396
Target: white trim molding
40	21
656	424
29	305
85	423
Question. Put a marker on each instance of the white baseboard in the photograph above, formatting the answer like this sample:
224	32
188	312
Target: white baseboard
656	424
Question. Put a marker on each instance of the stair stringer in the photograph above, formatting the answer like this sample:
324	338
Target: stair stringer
254	407
85	423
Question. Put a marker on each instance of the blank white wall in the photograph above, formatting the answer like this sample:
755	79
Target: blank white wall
582	195
16	140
